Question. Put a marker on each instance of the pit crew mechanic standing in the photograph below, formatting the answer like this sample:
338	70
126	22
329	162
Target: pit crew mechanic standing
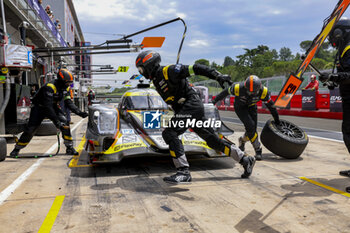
46	104
339	38
171	83
247	94
313	84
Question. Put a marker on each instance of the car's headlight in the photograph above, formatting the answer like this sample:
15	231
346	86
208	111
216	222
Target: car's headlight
106	121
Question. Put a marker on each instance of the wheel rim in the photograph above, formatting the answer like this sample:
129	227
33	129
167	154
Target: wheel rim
291	130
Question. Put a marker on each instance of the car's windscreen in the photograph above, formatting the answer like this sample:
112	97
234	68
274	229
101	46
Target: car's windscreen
145	102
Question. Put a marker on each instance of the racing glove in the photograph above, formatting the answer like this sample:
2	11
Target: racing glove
221	96
277	120
325	77
61	126
83	114
224	78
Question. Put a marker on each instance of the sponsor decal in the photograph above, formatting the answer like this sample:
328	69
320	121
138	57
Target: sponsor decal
307	99
128	131
30	57
129	138
178	68
335	99
127	146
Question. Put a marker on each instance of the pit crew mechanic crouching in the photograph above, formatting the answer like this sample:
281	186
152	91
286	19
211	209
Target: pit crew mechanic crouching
247	94
339	38
46	104
171	83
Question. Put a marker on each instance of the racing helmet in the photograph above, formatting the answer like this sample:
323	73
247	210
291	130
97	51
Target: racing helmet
147	62
252	85
339	33
65	76
313	77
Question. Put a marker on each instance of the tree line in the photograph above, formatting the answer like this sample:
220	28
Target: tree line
265	62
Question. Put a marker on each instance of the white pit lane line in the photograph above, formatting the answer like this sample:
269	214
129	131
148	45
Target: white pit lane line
6	193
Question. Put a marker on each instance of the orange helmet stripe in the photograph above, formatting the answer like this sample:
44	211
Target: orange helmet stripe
147	57
60	74
251	89
137	61
71	76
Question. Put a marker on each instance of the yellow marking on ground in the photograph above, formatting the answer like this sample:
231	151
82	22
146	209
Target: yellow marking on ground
74	161
326	186
51	216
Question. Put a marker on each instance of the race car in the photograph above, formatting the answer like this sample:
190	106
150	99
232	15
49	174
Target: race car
117	131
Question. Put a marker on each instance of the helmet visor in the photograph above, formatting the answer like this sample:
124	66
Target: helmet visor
140	69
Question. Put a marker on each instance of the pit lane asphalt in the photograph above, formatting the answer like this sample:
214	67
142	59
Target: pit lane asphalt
302	195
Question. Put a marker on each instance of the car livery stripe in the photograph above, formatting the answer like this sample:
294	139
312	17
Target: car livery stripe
117	135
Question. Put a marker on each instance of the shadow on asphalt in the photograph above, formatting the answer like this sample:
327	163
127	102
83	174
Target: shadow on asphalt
270	157
307	189
151	166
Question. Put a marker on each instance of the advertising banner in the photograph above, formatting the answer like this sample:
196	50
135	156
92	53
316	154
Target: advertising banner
16	56
308	100
335	100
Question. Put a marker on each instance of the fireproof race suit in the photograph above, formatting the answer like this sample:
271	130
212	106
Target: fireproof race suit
46	104
342	78
246	110
172	85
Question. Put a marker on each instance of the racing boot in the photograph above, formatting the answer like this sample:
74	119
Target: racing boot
248	163
241	143
182	176
71	151
258	154
14	153
345	173
347	189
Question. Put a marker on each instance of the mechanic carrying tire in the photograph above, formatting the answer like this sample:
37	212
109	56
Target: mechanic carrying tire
171	83
247	94
46	104
339	38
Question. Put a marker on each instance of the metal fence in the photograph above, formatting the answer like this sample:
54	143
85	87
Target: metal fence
274	84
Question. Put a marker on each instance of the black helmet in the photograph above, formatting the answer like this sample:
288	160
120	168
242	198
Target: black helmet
252	84
65	76
339	32
147	62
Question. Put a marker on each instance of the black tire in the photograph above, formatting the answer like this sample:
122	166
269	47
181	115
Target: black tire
3	149
15	128
287	141
46	128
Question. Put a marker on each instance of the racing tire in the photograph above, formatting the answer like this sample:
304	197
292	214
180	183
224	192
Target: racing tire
46	128
3	149
287	141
